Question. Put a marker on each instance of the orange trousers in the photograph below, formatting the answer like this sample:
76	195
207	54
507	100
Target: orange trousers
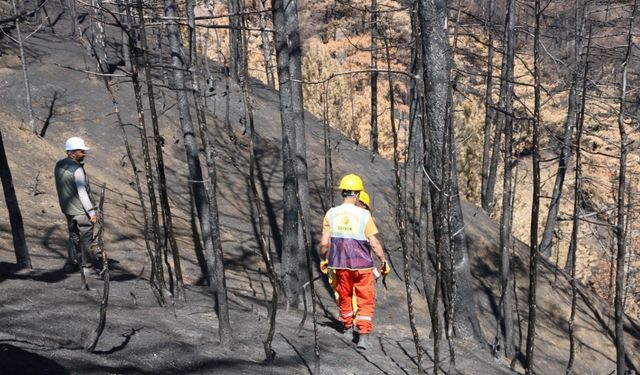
362	283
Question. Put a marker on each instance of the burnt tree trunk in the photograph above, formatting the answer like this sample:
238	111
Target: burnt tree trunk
297	106
570	266
158	142
489	116
224	325
535	205
374	78
23	260
436	64
200	198
505	101
266	45
234	38
290	252
565	150
506	291
621	230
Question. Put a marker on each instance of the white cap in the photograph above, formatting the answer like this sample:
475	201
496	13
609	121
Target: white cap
75	143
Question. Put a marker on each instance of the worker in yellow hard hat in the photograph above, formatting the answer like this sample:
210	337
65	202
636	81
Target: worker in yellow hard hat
364	201
348	238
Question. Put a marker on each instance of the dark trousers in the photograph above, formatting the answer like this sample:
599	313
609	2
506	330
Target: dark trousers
80	238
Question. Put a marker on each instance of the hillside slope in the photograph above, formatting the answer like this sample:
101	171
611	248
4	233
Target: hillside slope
46	316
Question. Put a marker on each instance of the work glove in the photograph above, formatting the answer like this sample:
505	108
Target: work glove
385	269
324	266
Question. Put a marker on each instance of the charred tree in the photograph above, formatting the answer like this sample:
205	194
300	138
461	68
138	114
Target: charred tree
234	38
489	116
505	328
167	216
154	227
621	229
291	253
570	266
505	103
374	78
224	325
297	106
200	198
535	205
266	45
19	40
263	245
401	214
23	260
565	149
436	65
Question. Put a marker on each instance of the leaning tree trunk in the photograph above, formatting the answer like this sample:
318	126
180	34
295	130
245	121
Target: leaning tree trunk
291	253
15	216
565	150
506	99
436	65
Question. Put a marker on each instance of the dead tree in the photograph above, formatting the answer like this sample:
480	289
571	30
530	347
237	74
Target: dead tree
224	325
505	103
565	149
291	253
401	214
263	245
158	141
196	184
570	266
535	205
300	149
489	111
23	260
234	38
436	65
19	40
374	78
154	227
621	229
505	327
266	45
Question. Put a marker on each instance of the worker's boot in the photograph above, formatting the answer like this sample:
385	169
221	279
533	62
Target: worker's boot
347	333
363	342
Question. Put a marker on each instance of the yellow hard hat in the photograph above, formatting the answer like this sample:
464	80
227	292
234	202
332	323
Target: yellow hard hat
364	198
351	182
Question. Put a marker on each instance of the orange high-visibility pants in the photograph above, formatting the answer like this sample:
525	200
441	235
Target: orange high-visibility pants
362	283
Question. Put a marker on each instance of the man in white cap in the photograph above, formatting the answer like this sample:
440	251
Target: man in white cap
76	202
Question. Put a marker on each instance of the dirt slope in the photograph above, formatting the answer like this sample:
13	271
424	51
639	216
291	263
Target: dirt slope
46	316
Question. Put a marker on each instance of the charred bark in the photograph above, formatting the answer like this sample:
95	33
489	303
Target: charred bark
506	99
436	65
23	260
